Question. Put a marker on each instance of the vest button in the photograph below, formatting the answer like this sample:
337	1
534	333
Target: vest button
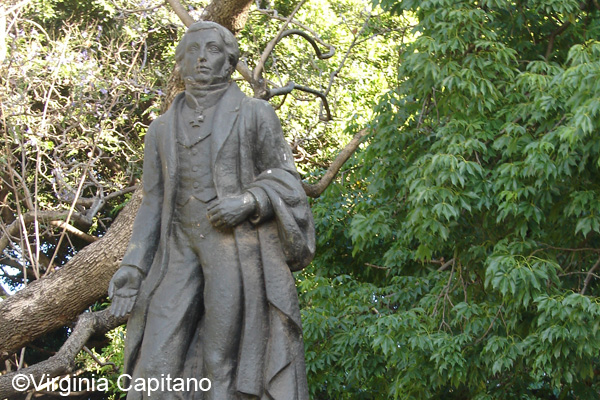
196	185
195	168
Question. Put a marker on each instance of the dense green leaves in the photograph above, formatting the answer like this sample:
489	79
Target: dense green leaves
474	221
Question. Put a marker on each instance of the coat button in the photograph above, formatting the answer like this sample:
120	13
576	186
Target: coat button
196	185
195	168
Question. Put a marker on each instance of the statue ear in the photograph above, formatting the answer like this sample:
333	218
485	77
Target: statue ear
232	64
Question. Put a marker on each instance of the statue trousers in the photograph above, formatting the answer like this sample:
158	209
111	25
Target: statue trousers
193	326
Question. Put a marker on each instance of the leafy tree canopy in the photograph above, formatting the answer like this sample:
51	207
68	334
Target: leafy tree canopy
458	258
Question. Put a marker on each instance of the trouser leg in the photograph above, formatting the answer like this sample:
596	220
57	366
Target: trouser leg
222	312
172	318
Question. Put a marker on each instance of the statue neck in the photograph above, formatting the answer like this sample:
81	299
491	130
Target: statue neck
204	96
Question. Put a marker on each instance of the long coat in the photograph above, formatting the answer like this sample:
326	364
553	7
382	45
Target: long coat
248	153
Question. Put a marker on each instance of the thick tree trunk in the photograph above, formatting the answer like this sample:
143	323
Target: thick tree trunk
231	14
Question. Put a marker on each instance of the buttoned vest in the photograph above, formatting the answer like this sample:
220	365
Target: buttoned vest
195	166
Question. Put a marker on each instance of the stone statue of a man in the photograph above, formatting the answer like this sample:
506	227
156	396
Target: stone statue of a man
224	221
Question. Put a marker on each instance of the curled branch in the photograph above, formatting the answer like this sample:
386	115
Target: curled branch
273	14
291	86
271	45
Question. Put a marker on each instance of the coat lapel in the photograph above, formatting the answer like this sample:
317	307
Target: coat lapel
225	116
169	140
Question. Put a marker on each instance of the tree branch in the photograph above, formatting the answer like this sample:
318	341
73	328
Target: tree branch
29	217
272	14
318	188
71	229
553	36
3	292
291	86
271	45
92	201
181	12
63	362
589	276
446	265
232	14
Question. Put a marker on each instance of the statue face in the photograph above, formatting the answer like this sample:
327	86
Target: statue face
205	60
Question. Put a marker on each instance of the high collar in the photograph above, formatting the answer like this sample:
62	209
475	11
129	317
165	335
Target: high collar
204	97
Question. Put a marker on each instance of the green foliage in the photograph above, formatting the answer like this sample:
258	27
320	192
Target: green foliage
461	254
109	363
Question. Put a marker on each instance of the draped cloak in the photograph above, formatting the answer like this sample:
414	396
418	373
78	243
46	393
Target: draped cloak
248	153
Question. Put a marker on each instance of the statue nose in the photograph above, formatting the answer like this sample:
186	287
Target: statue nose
202	55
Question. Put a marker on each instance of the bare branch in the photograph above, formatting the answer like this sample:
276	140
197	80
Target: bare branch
376	266
589	276
318	188
71	211
579	273
100	362
263	58
271	45
71	229
3	293
547	246
29	217
181	12
24	315
243	69
446	265
354	43
92	201
14	8
273	14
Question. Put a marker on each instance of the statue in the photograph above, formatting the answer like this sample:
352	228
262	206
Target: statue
224	221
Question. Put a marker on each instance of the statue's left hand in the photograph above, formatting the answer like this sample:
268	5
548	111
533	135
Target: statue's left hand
231	211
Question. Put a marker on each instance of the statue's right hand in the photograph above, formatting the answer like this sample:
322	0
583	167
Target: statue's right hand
123	290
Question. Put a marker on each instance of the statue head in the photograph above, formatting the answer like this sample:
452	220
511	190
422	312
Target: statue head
207	54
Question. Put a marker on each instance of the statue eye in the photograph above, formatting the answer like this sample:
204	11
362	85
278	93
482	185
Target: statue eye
214	48
193	48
